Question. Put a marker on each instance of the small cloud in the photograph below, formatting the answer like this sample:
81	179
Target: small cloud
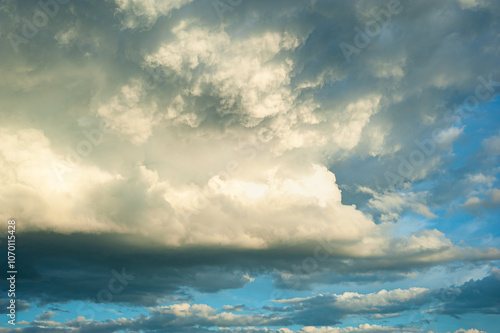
46	315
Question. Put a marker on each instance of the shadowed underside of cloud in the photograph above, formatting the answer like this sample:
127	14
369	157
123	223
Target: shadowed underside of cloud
84	264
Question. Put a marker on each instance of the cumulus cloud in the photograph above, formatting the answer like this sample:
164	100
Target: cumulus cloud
331	309
250	81
472	330
201	153
244	74
34	173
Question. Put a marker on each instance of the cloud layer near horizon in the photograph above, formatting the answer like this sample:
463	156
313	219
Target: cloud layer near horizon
314	314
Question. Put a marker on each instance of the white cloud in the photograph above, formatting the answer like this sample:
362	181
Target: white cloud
127	115
392	204
472	330
241	71
492	145
144	13
43	189
472	4
201	314
273	206
352	302
491	200
446	137
360	329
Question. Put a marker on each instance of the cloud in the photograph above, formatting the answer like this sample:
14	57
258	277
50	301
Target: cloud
243	147
244	75
474	296
360	328
46	315
472	4
313	313
94	327
491	145
127	117
475	204
220	86
331	309
33	173
144	13
234	308
193	318
21	305
472	330
276	205
392	204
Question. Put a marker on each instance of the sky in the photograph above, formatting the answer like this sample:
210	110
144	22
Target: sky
251	166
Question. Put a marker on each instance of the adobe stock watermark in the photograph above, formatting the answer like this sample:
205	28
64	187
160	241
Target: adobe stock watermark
30	28
407	167
223	6
363	38
115	286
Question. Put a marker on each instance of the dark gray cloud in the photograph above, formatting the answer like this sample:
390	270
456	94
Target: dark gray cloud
111	268
21	305
474	296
